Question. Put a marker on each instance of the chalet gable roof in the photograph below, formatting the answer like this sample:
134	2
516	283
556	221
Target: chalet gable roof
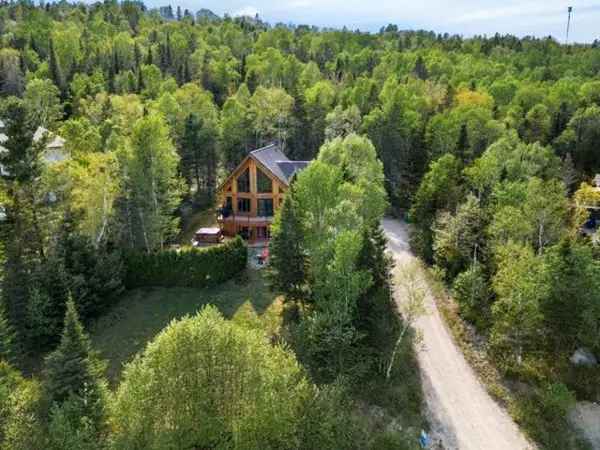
273	159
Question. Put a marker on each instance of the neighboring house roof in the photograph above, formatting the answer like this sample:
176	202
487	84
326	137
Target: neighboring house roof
273	159
54	147
54	141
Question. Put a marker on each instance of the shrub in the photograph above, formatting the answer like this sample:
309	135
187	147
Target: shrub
230	389
189	267
556	400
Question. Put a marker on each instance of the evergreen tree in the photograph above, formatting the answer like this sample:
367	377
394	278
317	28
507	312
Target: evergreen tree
140	81
7	337
198	155
287	264
168	55
73	373
377	318
149	57
420	69
55	70
462	145
137	56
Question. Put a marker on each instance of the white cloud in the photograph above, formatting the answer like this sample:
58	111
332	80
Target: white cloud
467	17
249	11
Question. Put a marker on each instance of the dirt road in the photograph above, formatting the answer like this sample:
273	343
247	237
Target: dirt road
461	412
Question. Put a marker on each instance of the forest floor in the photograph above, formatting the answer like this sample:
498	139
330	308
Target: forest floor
461	413
139	315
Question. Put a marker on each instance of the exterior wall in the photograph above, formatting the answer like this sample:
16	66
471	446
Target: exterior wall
231	225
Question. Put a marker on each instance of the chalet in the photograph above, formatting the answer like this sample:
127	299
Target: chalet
253	192
55	147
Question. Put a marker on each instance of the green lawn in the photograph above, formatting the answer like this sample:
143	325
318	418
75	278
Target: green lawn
126	328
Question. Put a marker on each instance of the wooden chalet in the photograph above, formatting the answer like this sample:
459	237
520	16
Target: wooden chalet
253	192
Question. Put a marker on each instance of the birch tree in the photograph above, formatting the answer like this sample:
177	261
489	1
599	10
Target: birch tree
153	186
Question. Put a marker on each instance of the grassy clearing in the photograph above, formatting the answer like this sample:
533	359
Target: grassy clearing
142	313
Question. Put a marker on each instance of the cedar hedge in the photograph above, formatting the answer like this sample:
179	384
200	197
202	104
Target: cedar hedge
187	267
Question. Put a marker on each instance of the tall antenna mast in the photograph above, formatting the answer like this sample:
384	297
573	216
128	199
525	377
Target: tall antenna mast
570	9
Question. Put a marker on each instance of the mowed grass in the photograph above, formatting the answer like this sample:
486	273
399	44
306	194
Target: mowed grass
142	313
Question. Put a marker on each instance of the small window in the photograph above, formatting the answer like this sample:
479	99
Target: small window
265	207
243	181
265	185
243	205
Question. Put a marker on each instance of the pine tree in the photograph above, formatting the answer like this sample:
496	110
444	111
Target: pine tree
187	76
111	77
377	319
168	55
149	57
55	70
420	69
287	258
462	145
73	372
137	56
198	155
140	81
7	338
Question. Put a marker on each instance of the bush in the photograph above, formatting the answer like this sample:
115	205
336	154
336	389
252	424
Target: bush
557	400
328	422
189	267
232	390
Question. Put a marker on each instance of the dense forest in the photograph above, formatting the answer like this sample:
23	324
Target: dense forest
488	146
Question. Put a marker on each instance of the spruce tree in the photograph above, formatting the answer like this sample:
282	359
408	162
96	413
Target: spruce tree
377	319
462	145
140	81
137	56
420	69
149	57
287	263
73	373
55	70
7	338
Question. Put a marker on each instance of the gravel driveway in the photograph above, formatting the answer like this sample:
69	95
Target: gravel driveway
462	414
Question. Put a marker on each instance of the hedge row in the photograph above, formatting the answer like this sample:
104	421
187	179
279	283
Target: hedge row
188	267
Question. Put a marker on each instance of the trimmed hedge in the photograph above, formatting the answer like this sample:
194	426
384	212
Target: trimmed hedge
188	267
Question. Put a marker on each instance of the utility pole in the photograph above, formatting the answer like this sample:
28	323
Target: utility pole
570	9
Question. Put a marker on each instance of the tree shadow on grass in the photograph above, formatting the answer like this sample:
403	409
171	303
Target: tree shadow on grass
141	314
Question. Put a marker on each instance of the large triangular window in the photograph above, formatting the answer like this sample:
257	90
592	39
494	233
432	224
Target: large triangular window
264	183
243	181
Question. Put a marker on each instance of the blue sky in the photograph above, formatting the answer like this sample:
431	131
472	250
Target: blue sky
467	17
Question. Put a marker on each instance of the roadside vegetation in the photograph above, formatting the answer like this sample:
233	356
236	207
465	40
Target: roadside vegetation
489	143
506	241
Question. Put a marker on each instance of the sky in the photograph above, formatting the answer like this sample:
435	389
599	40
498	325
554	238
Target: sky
467	17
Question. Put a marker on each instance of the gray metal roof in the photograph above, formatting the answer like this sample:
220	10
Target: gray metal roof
275	160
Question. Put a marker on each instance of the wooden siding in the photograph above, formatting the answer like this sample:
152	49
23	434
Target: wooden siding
251	219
